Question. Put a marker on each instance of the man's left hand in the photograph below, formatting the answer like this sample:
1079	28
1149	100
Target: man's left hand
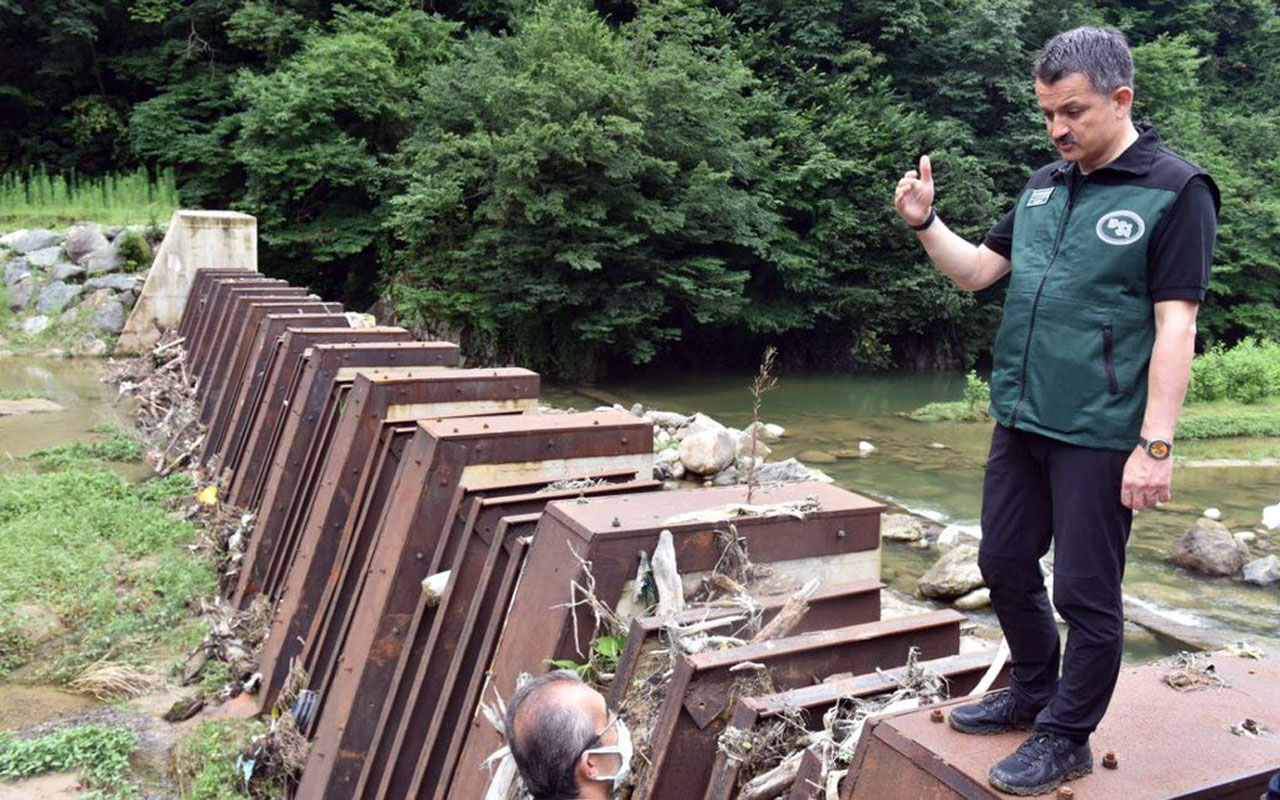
1147	481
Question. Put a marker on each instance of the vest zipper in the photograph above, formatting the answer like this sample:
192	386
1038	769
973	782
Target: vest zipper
1108	343
1035	304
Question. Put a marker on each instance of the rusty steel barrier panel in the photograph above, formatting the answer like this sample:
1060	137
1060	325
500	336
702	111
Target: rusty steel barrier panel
301	447
694	710
1167	744
422	709
211	287
838	541
262	359
252	375
217	325
340	585
198	295
208	329
831	606
962	673
247	312
473	452
292	374
319	513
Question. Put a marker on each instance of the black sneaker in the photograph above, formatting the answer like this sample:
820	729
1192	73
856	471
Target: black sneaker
994	713
1042	762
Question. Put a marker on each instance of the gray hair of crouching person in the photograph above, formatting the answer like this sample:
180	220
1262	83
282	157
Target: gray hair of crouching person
547	736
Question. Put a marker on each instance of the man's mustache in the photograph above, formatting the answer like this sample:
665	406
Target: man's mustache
1068	139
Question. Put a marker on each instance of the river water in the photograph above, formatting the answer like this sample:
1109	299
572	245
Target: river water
833	413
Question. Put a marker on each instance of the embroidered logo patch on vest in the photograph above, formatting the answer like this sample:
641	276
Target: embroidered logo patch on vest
1121	227
1039	197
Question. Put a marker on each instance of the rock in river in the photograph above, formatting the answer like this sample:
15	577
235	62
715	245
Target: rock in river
1209	548
954	575
707	452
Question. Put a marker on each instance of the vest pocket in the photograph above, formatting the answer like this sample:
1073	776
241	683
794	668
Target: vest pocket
1108	343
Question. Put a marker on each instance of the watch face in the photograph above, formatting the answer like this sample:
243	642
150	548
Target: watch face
1158	449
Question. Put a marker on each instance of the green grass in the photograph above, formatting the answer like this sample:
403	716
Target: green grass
1226	418
104	555
954	411
204	763
117	447
42	199
22	394
100	753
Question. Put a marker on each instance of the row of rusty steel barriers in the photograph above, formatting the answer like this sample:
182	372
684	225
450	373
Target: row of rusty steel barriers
375	462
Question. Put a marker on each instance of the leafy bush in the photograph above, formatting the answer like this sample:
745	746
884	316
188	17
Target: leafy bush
101	753
977	392
1245	373
203	764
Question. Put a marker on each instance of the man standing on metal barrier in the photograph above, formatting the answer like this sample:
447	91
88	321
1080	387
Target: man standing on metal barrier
1108	251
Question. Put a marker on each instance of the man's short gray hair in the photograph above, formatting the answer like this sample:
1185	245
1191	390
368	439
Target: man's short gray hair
1100	54
551	736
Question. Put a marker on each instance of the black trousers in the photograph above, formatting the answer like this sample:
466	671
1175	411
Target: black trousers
1039	491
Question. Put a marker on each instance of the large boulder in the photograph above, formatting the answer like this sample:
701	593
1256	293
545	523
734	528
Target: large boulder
109	316
45	257
707	452
667	419
56	296
103	261
83	239
119	283
89	346
701	423
36	325
745	448
782	472
24	241
20	291
16	270
954	575
766	432
904	528
1263	571
64	272
1209	548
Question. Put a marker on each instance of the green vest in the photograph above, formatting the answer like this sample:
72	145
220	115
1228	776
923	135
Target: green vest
1072	352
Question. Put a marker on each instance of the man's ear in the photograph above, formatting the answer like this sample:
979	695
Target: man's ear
587	769
1123	99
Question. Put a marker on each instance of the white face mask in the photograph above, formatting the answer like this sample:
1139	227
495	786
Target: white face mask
623	750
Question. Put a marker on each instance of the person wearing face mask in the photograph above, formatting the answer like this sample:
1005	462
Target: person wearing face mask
566	743
1108	252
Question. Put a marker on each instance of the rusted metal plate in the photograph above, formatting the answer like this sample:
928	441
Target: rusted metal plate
421	709
262	360
262	350
1168	744
962	673
300	448
219	325
474	452
284	379
198	295
807	783
320	509
224	372
209	328
837	542
694	711
831	606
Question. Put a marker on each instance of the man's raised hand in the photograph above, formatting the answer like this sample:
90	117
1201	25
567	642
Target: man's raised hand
914	196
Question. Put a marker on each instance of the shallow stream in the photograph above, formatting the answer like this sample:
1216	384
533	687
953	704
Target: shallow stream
832	413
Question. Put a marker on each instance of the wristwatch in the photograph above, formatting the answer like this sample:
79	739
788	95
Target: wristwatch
1159	449
933	214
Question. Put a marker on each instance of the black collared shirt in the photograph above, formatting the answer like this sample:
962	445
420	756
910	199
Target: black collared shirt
1181	250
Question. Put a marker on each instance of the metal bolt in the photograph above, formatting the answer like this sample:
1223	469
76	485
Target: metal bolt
936	716
1109	760
840	534
1065	793
624	440
617	523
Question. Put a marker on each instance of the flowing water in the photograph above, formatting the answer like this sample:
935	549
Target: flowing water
833	413
75	385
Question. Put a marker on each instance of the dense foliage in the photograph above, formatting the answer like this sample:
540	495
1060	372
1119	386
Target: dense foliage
576	184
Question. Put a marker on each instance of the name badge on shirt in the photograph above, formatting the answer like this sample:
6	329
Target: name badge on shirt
1040	196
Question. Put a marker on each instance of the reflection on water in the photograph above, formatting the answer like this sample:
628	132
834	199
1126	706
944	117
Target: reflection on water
73	384
832	413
